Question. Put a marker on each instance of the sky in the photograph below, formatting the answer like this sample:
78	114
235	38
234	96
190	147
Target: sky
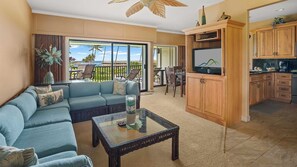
81	51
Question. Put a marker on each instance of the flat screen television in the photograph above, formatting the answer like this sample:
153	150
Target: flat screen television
207	60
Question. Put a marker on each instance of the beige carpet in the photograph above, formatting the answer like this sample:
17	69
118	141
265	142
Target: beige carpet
270	139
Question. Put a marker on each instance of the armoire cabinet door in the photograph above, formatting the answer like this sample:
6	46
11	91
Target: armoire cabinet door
213	96
194	94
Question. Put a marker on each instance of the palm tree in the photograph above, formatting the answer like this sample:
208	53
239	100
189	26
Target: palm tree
104	54
90	58
116	58
95	48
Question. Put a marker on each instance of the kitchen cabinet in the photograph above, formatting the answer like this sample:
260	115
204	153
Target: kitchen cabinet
265	42
283	87
268	89
279	42
261	88
284	42
205	96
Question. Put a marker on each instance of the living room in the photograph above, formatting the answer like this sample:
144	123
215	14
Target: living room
209	121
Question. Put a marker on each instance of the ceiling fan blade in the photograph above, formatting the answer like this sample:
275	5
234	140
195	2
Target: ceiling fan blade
116	1
134	9
158	8
172	3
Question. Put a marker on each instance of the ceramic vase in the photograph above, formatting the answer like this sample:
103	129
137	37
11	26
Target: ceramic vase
131	109
49	78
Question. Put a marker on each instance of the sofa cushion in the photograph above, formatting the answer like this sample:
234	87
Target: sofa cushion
80	103
65	90
114	99
106	87
63	104
82	89
133	88
49	116
43	89
48	139
26	103
31	90
11	123
11	156
61	155
119	88
77	161
50	98
2	140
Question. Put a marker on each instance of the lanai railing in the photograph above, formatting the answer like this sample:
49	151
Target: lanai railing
104	73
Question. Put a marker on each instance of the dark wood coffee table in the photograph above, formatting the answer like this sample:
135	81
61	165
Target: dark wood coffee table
118	141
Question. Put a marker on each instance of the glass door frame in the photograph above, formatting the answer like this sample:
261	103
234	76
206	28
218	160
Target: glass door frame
112	42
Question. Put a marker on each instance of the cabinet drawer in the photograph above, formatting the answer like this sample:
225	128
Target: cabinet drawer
283	82
268	76
254	78
283	95
283	76
283	89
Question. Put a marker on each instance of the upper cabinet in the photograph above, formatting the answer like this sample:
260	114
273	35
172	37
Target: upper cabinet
279	42
265	43
285	41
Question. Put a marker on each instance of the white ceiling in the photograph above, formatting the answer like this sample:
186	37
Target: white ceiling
269	12
177	18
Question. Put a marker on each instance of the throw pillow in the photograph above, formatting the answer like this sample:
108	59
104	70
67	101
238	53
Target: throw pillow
11	156
119	88
50	98
43	89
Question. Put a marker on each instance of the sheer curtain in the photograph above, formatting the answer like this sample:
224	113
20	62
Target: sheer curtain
57	70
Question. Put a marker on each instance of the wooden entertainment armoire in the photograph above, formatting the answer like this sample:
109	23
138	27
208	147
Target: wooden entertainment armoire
216	97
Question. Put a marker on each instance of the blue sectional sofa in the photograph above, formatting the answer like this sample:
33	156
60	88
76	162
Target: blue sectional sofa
49	129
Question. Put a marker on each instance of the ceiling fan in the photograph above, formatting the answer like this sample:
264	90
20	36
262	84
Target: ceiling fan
155	6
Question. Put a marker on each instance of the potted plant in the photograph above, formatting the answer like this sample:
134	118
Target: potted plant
46	58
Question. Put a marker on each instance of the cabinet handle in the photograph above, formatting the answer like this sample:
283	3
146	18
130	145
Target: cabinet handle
201	81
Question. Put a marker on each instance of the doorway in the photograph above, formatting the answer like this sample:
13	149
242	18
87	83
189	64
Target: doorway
272	57
164	56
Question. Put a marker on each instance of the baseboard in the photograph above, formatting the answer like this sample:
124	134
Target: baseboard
246	118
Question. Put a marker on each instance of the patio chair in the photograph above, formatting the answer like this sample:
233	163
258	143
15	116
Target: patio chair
132	75
88	72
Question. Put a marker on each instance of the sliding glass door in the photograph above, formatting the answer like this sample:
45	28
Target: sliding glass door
112	59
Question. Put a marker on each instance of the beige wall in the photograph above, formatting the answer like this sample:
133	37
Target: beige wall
71	27
164	38
267	23
15	48
55	25
238	9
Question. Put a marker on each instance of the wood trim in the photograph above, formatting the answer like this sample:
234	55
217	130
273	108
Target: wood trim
212	26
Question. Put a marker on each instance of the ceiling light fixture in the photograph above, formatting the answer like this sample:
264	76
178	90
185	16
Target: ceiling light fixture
156	6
